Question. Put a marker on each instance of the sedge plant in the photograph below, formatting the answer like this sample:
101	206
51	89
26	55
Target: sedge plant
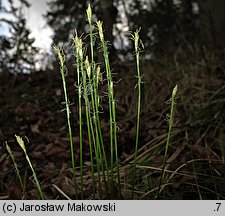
89	69
99	145
112	109
62	59
80	71
22	145
94	86
89	123
84	75
88	76
174	92
94	81
137	45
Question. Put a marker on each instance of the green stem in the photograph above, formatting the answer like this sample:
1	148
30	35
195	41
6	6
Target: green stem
137	40
94	98
35	178
168	140
17	170
61	57
116	147
80	117
112	114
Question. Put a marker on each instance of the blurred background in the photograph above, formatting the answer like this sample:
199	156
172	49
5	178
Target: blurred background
29	28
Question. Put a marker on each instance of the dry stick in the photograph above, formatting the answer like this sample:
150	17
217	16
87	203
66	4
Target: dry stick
211	170
195	177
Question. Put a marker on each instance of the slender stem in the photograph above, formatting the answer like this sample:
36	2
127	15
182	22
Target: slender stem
136	39
94	98
62	59
83	75
22	145
90	131
109	80
100	148
112	120
168	139
95	101
115	142
96	135
35	178
97	158
17	170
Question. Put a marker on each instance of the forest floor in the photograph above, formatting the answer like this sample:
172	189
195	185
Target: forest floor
31	105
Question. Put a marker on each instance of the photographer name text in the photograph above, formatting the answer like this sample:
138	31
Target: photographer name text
69	207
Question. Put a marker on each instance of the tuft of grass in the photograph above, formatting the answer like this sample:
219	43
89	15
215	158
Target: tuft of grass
94	76
22	145
88	77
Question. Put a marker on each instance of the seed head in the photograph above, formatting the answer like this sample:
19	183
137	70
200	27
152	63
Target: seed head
88	67
78	44
100	30
8	149
89	13
136	38
60	53
21	143
99	75
174	92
